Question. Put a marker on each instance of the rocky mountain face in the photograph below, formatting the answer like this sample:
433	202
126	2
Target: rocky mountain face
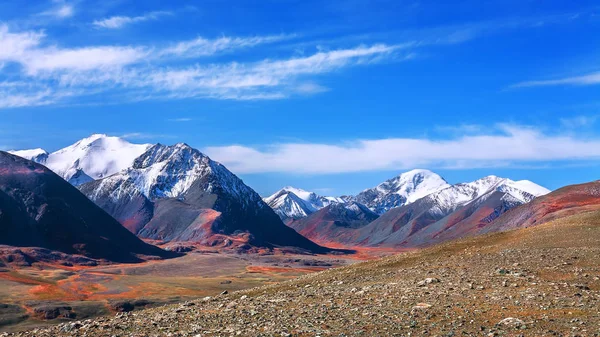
335	223
40	209
293	203
91	158
176	193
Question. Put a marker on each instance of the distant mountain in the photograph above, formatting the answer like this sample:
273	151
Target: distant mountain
335	223
416	208
91	158
176	193
456	211
563	202
399	191
40	209
293	203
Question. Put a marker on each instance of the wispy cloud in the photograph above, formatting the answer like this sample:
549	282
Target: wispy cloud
588	79
181	70
61	10
204	47
180	120
116	22
261	80
506	146
144	135
578	121
14	99
143	72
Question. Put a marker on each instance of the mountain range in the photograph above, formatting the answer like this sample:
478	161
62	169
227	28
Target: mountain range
170	193
415	208
178	194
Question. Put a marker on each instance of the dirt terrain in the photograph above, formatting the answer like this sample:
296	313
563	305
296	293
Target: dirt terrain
540	281
43	294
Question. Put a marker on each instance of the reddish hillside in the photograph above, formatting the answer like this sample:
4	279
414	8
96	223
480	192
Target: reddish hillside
336	223
560	203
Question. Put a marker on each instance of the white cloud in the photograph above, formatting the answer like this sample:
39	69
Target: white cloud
508	145
578	121
82	59
12	99
204	47
16	45
116	22
144	135
310	88
180	120
65	11
589	79
261	80
62	10
25	49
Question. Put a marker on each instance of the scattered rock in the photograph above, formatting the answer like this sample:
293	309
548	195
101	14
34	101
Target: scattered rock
512	322
427	281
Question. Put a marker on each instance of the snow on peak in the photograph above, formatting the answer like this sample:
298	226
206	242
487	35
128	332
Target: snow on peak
302	194
404	189
171	171
531	187
416	184
167	171
461	194
91	158
295	203
38	155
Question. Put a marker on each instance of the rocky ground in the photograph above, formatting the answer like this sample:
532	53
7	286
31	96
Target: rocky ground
541	281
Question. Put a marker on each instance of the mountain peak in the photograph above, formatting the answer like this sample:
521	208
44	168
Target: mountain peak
401	190
300	193
92	138
94	157
295	203
415	172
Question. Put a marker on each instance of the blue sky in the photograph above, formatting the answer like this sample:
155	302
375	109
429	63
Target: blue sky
333	97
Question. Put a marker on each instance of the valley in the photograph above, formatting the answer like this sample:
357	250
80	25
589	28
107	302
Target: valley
46	294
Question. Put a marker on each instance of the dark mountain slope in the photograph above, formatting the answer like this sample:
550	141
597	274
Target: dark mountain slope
40	209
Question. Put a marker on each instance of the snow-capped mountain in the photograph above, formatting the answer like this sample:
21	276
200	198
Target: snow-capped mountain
455	196
170	172
292	203
176	193
91	158
454	212
401	190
